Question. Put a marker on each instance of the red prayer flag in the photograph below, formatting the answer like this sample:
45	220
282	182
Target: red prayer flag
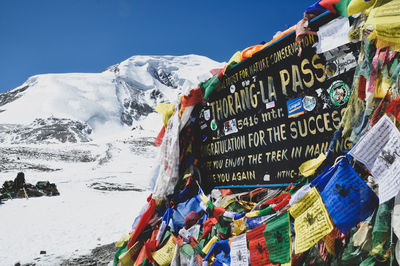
259	254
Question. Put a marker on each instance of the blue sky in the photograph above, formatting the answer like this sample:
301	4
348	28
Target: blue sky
48	36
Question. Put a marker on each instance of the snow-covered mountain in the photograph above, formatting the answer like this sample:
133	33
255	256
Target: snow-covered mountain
92	135
78	107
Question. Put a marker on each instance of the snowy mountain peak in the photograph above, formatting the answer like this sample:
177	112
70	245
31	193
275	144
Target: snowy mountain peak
115	100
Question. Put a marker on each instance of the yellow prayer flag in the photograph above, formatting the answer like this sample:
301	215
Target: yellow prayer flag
126	257
312	221
252	214
164	255
308	168
238	226
203	198
357	6
122	240
207	247
385	20
235	58
166	110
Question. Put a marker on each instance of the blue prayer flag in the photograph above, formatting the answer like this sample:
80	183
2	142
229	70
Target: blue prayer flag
347	197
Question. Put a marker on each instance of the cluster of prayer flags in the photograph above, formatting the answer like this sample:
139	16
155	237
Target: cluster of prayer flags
338	215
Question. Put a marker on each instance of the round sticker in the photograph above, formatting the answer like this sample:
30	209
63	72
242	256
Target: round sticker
213	125
207	114
339	93
232	88
309	103
331	69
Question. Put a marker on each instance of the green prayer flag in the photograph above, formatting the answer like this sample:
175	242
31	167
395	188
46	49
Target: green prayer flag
235	207
266	211
211	206
277	236
351	255
223	224
209	86
146	262
166	237
370	261
187	250
199	247
382	228
341	7
121	250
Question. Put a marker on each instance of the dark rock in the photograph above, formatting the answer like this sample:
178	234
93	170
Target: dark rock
107	186
11	95
42	188
99	256
51	130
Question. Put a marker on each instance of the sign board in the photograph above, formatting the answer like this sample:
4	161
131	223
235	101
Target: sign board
275	111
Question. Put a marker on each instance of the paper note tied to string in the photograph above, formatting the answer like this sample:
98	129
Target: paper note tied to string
347	197
387	167
311	222
369	147
379	151
277	236
239	251
164	255
259	254
389	153
333	34
389	183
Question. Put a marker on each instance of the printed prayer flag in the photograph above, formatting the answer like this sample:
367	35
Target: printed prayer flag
277	236
259	254
347	197
239	251
164	255
238	227
312	221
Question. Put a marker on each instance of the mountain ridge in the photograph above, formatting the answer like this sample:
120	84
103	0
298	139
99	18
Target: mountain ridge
119	98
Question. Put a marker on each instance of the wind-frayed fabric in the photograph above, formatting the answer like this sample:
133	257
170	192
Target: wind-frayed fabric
169	160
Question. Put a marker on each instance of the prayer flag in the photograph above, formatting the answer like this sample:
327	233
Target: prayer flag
259	254
278	239
239	251
347	197
164	255
312	221
336	6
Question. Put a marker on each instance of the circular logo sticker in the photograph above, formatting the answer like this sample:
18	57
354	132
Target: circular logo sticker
339	93
213	125
309	103
232	88
331	69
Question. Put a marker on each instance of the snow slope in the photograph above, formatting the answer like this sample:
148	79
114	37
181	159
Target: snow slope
92	135
90	211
